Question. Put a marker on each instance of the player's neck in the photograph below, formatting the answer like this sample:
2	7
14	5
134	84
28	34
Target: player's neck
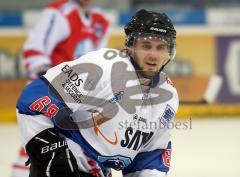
143	80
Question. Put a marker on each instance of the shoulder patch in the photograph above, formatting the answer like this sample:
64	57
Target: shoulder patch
168	114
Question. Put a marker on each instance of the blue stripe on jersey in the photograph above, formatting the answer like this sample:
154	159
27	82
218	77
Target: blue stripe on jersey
32	92
148	160
49	30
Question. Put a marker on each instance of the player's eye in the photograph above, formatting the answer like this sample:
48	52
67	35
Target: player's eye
162	47
146	46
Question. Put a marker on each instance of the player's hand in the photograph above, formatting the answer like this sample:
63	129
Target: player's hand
50	156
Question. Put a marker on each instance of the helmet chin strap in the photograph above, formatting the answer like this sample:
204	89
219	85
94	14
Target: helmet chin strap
164	65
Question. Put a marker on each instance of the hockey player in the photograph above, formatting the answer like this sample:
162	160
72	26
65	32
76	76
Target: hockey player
108	109
67	29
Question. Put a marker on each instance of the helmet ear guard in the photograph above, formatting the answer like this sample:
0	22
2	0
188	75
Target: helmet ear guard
151	24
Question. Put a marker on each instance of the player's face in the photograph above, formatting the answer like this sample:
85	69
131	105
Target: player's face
150	54
85	3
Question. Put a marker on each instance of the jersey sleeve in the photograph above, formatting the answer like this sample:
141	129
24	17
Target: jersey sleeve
156	163
38	98
43	39
36	108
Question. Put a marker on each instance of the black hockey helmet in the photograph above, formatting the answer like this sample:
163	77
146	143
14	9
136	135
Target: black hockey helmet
151	24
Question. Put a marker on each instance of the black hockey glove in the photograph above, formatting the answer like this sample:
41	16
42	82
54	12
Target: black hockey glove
50	156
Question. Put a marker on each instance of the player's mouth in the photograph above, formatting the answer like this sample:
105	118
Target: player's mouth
151	64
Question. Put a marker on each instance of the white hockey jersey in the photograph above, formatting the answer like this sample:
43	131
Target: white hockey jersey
107	117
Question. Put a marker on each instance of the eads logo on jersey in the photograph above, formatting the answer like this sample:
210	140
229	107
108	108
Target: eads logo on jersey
97	129
98	132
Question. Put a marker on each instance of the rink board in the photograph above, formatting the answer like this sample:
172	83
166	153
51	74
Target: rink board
185	111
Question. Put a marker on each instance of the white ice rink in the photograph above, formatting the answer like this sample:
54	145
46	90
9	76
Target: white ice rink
210	149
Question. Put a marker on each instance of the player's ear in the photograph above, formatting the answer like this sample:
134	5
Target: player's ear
130	51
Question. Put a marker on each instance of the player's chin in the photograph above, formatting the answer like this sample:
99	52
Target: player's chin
150	73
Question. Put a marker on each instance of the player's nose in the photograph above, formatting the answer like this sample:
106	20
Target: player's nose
152	56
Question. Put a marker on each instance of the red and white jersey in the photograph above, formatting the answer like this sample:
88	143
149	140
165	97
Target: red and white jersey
64	33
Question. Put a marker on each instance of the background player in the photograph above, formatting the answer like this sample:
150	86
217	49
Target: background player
66	30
